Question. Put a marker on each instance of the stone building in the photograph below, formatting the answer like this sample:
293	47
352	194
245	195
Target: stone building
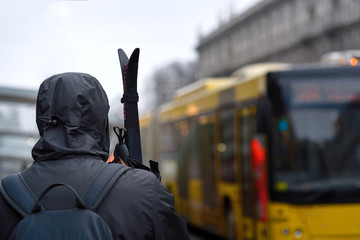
292	31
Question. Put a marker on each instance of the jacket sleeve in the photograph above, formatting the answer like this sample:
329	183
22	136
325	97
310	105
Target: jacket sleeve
166	223
9	218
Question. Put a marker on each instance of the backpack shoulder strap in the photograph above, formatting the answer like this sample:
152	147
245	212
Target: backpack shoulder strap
17	194
102	183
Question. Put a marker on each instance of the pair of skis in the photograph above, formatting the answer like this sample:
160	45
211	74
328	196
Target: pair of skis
128	148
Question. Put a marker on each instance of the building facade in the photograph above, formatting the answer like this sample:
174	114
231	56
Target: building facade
292	31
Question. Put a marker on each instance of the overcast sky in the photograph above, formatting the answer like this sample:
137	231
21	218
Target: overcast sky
39	38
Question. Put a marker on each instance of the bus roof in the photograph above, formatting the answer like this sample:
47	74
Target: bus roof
204	94
203	85
145	119
258	69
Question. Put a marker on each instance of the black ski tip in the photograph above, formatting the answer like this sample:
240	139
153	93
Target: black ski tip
136	51
135	55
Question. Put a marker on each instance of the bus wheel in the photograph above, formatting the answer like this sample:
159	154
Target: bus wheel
230	225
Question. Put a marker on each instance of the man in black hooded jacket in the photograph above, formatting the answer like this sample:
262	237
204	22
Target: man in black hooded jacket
72	118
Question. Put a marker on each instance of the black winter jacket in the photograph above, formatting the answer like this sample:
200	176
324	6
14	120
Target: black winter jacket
72	120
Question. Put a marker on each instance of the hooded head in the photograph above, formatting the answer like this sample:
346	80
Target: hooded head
72	118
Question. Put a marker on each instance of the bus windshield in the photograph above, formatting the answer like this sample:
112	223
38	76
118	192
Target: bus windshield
315	140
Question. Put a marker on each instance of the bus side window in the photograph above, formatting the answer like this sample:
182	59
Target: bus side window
247	132
206	142
194	151
226	147
183	157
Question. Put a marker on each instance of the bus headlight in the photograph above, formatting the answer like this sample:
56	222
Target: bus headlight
285	231
298	233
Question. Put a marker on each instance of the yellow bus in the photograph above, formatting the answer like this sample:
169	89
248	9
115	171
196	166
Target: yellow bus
271	152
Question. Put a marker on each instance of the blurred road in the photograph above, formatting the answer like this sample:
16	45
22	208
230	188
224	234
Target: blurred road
196	234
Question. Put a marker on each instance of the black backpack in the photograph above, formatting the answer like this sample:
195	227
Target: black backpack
81	222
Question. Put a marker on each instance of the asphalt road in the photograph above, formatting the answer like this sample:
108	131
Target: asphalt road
196	234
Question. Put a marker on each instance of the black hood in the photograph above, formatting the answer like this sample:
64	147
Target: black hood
72	118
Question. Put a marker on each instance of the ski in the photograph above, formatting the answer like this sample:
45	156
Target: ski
129	147
129	70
